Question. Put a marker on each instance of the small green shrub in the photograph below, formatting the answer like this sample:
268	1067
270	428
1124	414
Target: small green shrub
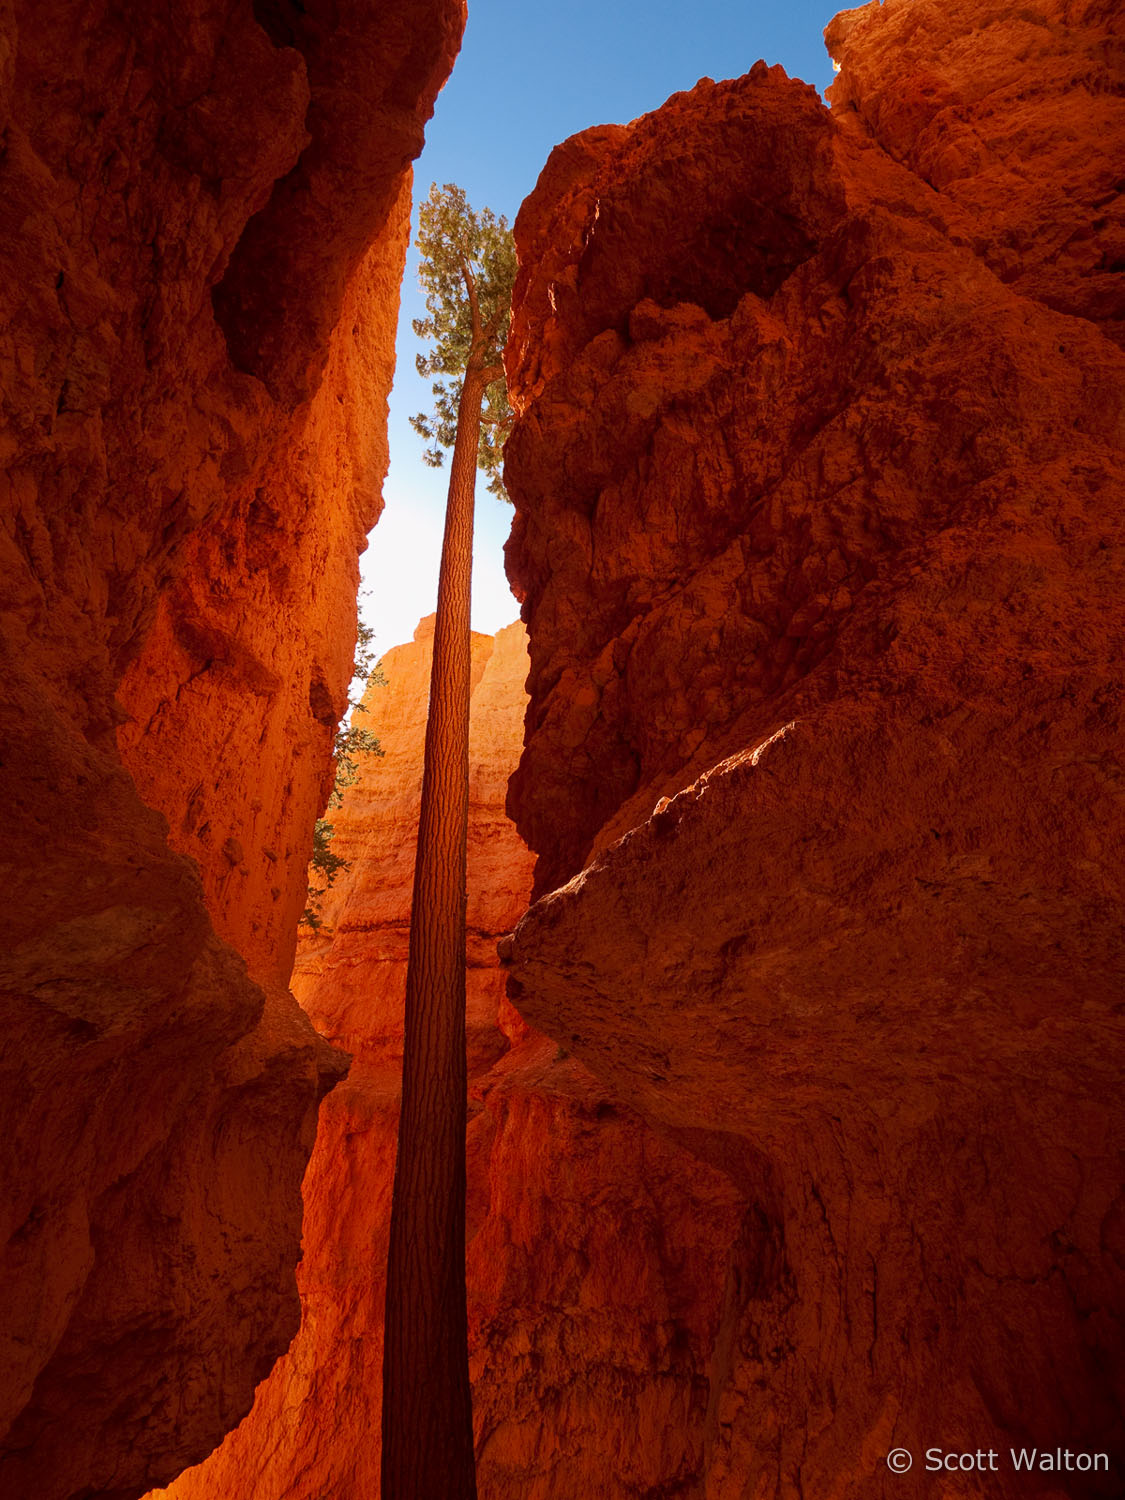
349	745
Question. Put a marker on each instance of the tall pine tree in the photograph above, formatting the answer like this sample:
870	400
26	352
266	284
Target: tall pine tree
467	271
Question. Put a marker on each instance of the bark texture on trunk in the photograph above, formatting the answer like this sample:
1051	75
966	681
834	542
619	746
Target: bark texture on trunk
427	1403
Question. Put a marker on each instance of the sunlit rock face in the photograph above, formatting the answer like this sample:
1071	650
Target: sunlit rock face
598	1248
1016	115
192	455
818	479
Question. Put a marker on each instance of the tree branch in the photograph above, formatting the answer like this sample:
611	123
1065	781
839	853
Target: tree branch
494	322
471	288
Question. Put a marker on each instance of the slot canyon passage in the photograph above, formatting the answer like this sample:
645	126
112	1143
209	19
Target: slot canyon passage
796	828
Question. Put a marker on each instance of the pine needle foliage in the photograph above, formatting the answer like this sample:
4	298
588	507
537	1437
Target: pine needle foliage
350	740
468	269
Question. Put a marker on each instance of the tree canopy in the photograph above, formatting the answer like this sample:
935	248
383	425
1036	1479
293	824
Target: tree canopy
467	272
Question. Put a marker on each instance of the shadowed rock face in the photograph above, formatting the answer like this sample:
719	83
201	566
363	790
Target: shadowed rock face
822	574
179	561
281	295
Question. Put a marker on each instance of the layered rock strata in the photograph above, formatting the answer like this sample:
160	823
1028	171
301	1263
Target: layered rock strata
598	1248
818	475
188	476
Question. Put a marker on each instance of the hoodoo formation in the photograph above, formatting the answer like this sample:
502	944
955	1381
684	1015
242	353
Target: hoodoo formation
795	1137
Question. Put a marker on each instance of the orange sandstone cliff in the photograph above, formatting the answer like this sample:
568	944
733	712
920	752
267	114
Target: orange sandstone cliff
203	216
819	482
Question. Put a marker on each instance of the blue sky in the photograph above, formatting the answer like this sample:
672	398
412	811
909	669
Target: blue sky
527	78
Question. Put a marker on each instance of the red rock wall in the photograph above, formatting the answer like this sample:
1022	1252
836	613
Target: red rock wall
818	476
598	1248
188	477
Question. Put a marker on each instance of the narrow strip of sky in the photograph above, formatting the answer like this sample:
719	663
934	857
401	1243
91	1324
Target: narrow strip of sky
527	78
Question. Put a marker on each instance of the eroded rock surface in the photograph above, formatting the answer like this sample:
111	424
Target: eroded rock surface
819	501
184	498
1016	115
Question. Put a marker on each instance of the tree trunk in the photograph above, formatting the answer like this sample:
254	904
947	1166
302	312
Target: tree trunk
427	1403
